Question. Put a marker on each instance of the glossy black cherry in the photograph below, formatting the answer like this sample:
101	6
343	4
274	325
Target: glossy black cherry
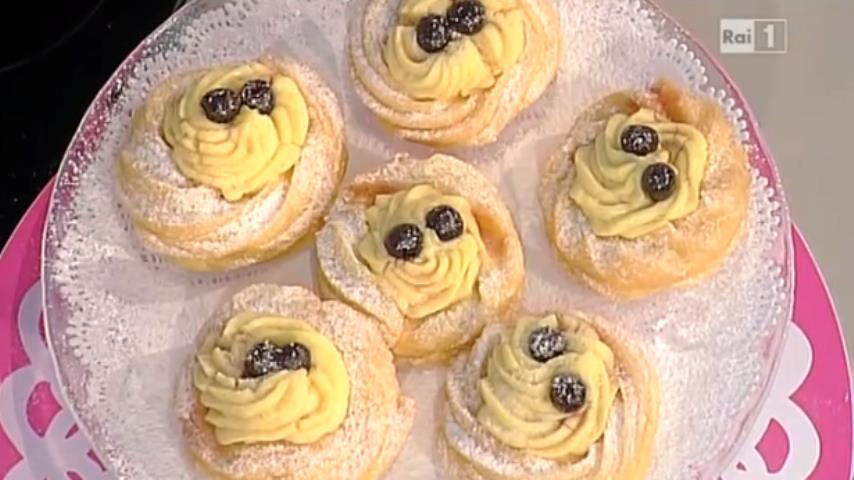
404	241
221	105
658	181
432	33
446	221
258	95
640	140
467	17
568	392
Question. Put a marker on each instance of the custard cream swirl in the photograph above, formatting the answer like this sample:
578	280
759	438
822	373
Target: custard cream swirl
517	408
444	273
607	185
242	157
468	63
297	406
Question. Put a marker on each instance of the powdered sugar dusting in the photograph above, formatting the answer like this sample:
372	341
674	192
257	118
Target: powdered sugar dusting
122	320
153	155
228	237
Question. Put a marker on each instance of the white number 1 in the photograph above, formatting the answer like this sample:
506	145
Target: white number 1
769	35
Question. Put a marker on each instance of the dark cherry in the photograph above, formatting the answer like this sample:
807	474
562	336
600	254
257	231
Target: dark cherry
294	356
258	94
404	241
266	358
568	393
639	140
658	181
467	17
432	33
261	360
446	222
546	343
221	105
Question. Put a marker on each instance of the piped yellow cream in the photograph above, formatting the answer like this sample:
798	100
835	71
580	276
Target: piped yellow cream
467	64
444	273
607	185
243	156
516	391
298	406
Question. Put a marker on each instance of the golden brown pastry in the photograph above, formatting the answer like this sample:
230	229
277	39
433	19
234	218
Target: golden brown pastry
550	398
650	191
453	72
232	165
428	248
285	386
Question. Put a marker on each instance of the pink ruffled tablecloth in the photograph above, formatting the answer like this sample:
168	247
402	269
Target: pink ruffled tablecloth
804	429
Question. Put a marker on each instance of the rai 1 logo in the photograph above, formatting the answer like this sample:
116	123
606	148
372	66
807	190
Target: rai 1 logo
753	35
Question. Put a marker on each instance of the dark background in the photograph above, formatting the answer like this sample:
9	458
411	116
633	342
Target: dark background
50	71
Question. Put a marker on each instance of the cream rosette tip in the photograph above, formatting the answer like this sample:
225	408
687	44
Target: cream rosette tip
428	248
453	72
242	156
608	180
467	64
551	397
517	390
284	385
232	165
445	271
297	406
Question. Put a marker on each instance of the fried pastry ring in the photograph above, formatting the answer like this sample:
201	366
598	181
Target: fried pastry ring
216	196
467	93
347	416
437	301
501	420
632	246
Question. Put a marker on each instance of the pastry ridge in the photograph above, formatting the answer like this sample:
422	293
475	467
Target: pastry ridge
689	248
379	417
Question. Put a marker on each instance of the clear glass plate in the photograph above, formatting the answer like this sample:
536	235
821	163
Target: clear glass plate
65	266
